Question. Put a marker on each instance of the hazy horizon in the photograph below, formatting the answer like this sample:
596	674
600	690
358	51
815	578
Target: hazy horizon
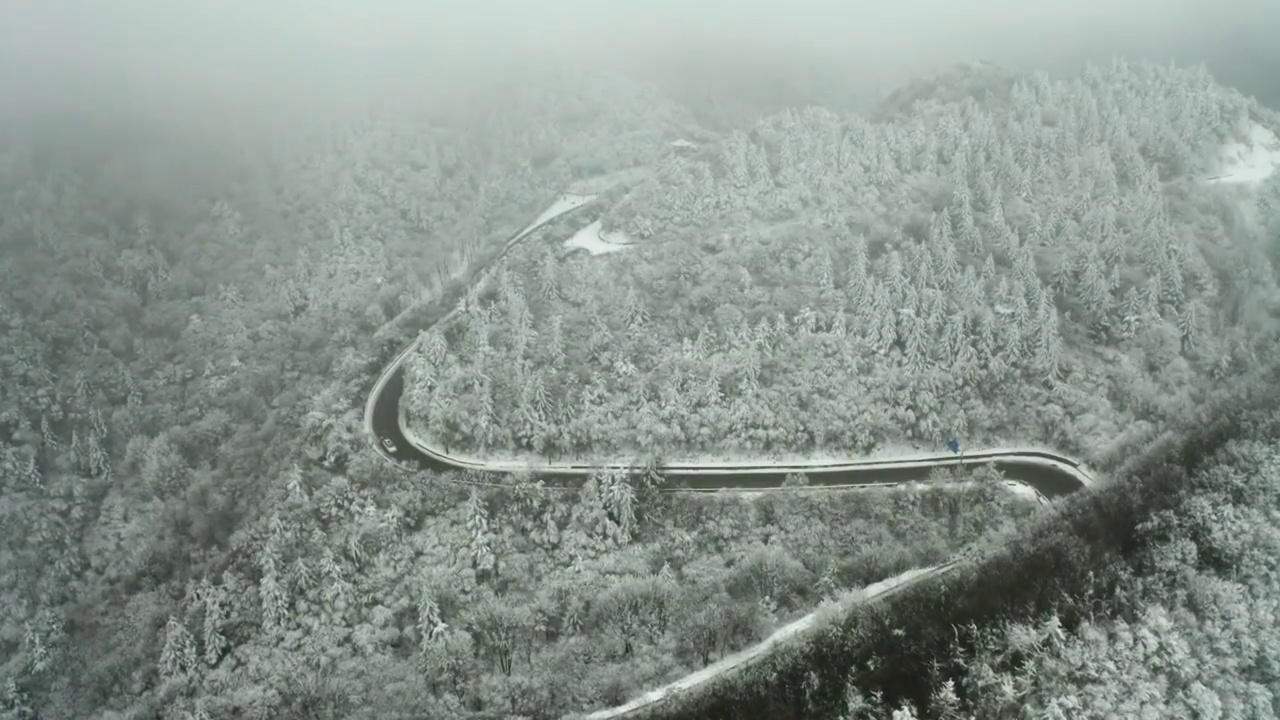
384	360
138	55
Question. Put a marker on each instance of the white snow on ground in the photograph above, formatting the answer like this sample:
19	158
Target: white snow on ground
517	462
562	205
767	466
499	458
1249	162
1024	490
745	657
1016	487
597	242
905	456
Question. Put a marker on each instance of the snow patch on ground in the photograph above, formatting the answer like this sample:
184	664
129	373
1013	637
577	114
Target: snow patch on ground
565	203
1024	490
594	240
733	464
1014	486
1251	161
1017	488
500	458
562	205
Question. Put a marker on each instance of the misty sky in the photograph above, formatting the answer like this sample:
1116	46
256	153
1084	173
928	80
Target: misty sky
140	50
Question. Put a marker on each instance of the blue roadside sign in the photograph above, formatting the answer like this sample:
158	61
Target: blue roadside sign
954	445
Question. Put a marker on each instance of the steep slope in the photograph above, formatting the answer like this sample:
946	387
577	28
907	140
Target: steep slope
825	281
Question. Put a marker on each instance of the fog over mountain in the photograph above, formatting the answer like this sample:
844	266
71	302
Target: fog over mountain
667	359
133	55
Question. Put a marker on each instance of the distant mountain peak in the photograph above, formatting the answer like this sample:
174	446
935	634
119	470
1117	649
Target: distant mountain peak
981	80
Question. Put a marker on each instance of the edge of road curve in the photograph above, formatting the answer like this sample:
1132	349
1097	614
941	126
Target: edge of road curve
795	631
1048	473
571	202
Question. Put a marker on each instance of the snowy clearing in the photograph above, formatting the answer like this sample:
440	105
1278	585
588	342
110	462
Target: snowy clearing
597	242
564	204
1249	162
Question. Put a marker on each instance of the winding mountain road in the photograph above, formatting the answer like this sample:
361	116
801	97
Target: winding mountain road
1051	475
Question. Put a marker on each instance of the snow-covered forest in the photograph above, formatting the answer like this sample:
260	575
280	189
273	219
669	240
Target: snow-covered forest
195	526
1025	259
178	363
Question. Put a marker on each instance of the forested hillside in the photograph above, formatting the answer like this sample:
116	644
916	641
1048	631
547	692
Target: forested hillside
1155	596
194	526
994	257
185	334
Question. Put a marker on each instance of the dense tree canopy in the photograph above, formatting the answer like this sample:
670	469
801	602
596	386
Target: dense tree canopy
824	281
181	353
193	524
1152	597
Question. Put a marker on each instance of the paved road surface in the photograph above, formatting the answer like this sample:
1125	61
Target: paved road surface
1050	474
1030	467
